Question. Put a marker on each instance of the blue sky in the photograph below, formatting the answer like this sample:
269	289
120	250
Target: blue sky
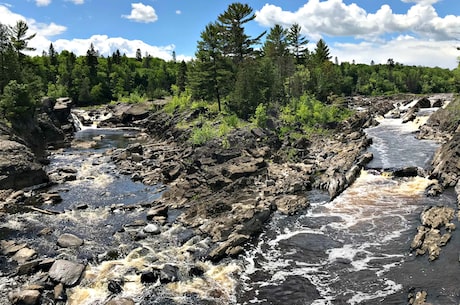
412	32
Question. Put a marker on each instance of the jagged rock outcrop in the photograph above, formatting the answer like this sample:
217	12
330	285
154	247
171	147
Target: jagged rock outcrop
434	232
18	166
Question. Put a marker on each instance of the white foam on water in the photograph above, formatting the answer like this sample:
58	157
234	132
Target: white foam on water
389	288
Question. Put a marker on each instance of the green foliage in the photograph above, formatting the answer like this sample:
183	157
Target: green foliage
180	102
310	115
260	117
16	101
201	135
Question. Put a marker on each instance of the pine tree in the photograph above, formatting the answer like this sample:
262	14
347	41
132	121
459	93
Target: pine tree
19	38
210	76
275	45
322	52
297	43
231	23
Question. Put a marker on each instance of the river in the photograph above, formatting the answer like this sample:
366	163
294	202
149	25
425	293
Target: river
352	250
356	248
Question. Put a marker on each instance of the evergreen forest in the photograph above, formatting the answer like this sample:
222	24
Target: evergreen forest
247	77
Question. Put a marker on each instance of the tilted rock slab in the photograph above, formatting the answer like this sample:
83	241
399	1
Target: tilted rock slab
66	272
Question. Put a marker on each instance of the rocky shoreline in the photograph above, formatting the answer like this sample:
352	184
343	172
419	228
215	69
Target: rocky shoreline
224	195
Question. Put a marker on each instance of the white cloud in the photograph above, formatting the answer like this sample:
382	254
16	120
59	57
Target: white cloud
335	18
42	2
107	45
178	12
425	2
41	29
77	1
142	13
405	49
104	44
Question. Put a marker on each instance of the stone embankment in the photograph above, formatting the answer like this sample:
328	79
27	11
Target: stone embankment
23	147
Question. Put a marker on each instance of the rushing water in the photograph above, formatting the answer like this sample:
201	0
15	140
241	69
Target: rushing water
94	207
355	249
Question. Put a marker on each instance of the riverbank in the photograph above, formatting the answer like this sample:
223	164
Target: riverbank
222	195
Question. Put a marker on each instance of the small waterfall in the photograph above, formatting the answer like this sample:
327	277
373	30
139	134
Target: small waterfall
76	122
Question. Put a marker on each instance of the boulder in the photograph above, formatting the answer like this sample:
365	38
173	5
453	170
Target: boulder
25	297
62	108
69	240
18	166
152	229
225	248
66	272
167	274
423	103
59	293
24	255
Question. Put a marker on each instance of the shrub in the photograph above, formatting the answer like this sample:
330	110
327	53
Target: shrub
260	116
203	134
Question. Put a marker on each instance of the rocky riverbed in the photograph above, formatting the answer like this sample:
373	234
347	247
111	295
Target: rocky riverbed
215	199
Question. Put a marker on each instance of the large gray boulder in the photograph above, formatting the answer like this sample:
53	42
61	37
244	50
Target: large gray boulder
66	272
18	166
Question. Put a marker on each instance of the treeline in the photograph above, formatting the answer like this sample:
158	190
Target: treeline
232	69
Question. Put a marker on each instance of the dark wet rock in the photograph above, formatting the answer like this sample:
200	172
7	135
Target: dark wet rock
167	274
66	272
109	255
69	241
45	264
27	267
59	293
434	189
25	297
115	286
120	301
225	248
196	271
424	102
411	171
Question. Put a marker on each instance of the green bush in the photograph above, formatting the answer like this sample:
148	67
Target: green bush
201	135
180	102
16	101
260	116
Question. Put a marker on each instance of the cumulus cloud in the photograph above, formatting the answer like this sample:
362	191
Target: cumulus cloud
178	12
335	18
405	49
41	29
142	13
106	45
42	2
